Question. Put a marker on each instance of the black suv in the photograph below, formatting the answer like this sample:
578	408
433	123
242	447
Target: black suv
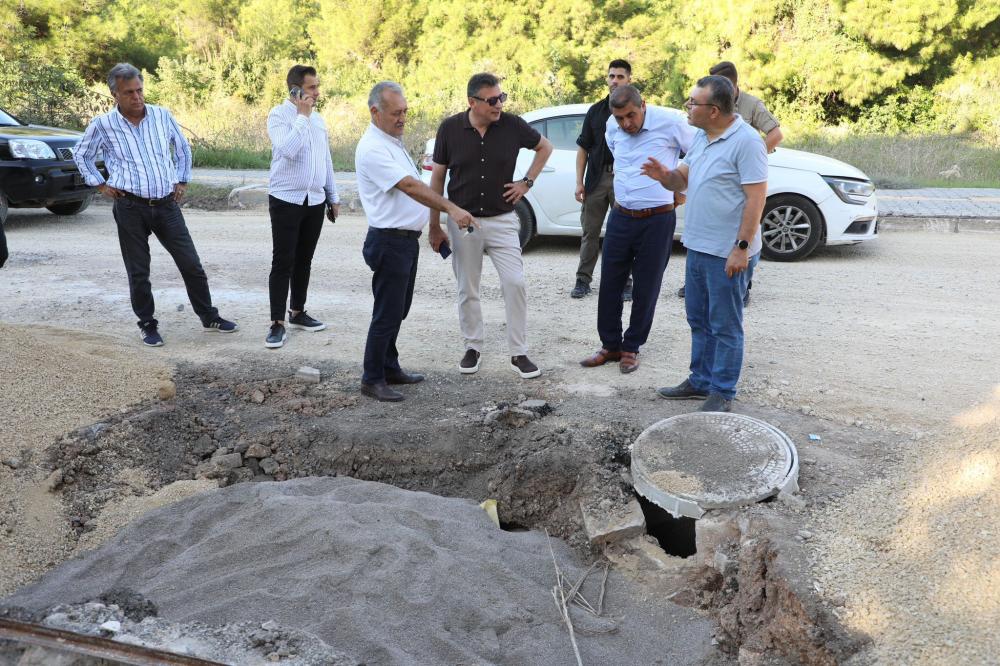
37	169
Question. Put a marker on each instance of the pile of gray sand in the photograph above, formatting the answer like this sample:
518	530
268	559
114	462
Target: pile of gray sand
379	574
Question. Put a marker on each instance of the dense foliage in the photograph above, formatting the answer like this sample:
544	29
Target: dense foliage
881	66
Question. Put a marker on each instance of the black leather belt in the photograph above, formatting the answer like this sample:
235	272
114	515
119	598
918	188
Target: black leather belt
149	202
407	233
644	212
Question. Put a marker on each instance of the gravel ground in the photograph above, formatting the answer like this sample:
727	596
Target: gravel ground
883	337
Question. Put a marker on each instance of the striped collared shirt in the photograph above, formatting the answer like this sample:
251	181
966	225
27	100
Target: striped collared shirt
145	159
301	166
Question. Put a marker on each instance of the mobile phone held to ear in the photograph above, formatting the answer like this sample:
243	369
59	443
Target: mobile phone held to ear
444	250
296	92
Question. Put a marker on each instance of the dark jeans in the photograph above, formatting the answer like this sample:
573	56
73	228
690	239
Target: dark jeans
136	221
393	258
295	230
3	246
640	246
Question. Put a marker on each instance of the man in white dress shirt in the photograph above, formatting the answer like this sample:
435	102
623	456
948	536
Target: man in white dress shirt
149	165
395	201
640	229
301	187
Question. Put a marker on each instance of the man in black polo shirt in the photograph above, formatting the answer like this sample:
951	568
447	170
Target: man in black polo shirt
596	191
478	150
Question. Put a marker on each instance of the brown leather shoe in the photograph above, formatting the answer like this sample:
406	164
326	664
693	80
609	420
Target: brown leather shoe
600	358
629	362
381	392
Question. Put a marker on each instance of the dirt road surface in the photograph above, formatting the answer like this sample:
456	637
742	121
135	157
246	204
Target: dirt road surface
886	350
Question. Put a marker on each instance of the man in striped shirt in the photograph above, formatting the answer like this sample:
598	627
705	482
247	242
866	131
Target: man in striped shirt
149	165
301	187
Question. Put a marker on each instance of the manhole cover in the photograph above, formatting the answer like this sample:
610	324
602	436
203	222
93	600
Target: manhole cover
709	460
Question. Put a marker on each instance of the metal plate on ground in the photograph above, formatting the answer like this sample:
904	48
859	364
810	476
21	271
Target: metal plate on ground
690	463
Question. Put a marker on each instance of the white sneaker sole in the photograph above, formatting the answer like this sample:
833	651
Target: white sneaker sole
526	375
275	345
312	329
209	329
473	370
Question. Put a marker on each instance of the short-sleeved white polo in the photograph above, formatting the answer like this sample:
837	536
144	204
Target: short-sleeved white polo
381	161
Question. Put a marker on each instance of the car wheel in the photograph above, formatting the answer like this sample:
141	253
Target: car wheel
527	219
3	208
71	207
790	228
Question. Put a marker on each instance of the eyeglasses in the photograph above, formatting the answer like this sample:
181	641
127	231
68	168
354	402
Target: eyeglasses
492	101
690	102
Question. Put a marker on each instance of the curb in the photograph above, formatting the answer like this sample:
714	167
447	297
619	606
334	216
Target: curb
939	224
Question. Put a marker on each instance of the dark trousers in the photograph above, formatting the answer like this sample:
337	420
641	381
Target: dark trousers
3	246
295	230
136	221
393	260
640	246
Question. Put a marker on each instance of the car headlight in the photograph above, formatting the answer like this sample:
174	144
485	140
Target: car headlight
851	191
31	149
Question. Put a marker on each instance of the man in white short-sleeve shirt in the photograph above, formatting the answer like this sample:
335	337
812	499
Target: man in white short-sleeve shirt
396	202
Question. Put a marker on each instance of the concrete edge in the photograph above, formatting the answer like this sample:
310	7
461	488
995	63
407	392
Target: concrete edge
939	224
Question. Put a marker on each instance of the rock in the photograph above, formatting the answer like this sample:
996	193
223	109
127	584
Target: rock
308	375
269	466
219	466
180	307
13	463
204	445
270	625
167	390
54	480
258	451
603	526
539	407
257	396
773	393
793	501
111	627
805	534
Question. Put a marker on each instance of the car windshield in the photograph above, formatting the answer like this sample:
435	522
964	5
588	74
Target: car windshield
7	120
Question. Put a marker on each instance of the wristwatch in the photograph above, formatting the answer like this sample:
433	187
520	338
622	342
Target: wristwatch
742	244
527	181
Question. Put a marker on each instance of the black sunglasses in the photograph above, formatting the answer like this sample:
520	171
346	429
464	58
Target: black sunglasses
492	101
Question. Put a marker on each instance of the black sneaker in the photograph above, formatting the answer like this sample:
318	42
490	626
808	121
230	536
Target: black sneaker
276	336
150	336
682	391
221	325
580	290
304	322
680	292
627	292
469	363
523	366
716	403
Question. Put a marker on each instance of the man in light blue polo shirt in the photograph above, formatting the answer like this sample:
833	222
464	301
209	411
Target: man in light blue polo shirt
725	175
641	226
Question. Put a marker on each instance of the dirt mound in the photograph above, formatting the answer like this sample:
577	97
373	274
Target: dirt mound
385	575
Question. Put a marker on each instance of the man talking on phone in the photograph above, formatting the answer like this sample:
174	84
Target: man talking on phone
300	191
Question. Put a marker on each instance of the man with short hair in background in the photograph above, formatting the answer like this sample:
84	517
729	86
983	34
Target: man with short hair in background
149	165
301	188
479	148
754	113
395	201
595	181
725	176
640	230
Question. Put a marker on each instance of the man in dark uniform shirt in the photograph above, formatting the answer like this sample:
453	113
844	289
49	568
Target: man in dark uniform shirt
596	190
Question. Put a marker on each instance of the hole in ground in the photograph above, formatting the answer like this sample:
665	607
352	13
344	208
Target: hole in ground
675	535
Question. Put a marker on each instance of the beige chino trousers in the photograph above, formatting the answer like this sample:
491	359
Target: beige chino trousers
498	237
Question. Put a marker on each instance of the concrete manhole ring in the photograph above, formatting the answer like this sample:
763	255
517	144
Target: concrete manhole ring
690	463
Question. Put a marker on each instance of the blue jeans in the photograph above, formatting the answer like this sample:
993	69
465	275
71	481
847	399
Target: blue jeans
714	304
640	246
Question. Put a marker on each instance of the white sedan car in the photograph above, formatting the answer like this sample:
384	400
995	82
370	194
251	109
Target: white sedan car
811	199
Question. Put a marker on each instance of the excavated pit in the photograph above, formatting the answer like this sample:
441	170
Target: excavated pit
535	449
